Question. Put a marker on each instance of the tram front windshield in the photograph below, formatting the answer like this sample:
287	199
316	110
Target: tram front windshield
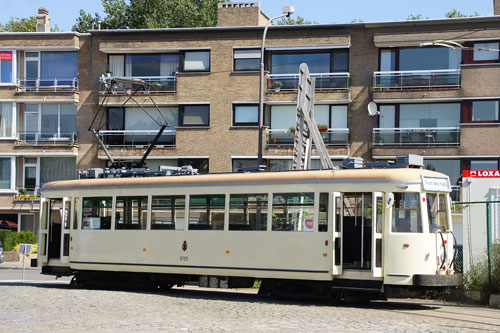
437	212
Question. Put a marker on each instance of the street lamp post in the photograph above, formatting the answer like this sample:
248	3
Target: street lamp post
287	11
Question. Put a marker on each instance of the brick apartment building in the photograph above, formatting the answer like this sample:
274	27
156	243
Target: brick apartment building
436	98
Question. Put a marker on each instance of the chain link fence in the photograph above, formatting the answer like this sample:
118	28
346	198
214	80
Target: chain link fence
477	230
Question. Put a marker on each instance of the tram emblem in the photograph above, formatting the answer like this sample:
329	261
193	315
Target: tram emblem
184	246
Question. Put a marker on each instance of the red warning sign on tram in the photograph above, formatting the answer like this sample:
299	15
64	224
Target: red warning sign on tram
481	173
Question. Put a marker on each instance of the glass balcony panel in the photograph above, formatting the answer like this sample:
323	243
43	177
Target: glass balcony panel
124	138
48	85
331	136
417	79
35	138
416	136
155	84
324	81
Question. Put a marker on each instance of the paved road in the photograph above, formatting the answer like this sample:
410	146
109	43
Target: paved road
55	306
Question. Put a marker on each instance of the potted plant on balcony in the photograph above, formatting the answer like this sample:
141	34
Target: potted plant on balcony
323	128
276	86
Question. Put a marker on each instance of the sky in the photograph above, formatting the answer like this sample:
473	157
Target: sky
64	12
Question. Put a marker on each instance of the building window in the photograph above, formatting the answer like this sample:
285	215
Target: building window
421	58
486	52
51	66
248	212
6	173
196	61
27	223
245	164
168	212
484	164
194	115
245	114
49	121
7	75
293	212
288	62
57	168
485	111
247	60
143	65
6	120
131	212
96	213
206	212
30	183
451	168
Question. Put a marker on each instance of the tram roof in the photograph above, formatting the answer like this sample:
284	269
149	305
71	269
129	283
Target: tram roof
259	178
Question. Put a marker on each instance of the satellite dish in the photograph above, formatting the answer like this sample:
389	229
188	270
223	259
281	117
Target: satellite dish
372	109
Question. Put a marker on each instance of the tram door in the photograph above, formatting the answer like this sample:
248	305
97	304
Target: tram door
66	221
360	232
337	233
43	234
378	212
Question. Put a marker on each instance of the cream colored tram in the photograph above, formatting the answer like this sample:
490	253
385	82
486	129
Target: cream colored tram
356	229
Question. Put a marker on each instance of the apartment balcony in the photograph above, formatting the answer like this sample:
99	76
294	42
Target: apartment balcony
27	194
423	136
285	137
136	138
155	84
46	139
324	82
48	85
421	80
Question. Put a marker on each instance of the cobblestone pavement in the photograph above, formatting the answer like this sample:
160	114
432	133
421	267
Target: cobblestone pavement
55	307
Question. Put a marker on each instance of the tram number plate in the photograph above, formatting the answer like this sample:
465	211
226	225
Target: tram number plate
184	258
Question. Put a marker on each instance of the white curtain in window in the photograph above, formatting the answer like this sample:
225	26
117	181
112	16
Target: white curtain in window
197	61
5	169
5	120
57	168
339	116
136	119
322	115
387	116
283	116
169	64
117	65
429	115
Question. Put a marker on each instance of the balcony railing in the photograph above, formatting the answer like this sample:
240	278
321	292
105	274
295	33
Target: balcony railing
422	136
46	138
285	136
135	138
324	81
157	84
48	85
431	79
27	193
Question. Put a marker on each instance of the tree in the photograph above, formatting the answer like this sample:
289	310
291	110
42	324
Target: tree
151	14
416	17
16	24
294	21
456	14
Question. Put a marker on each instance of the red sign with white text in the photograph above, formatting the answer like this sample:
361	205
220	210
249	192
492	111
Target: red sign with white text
481	173
5	55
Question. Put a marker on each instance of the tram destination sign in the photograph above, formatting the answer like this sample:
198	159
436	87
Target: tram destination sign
481	173
436	183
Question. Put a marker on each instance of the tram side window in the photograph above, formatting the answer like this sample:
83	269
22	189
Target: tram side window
437	212
248	212
76	214
131	212
168	212
293	212
206	212
406	213
323	212
96	213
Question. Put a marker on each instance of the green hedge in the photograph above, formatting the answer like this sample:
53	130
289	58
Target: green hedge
10	238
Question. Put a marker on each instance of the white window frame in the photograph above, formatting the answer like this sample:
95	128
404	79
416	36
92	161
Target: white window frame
19	220
14	123
39	112
14	68
37	168
26	59
12	175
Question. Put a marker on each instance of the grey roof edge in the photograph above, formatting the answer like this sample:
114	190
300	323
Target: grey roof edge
382	24
52	33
